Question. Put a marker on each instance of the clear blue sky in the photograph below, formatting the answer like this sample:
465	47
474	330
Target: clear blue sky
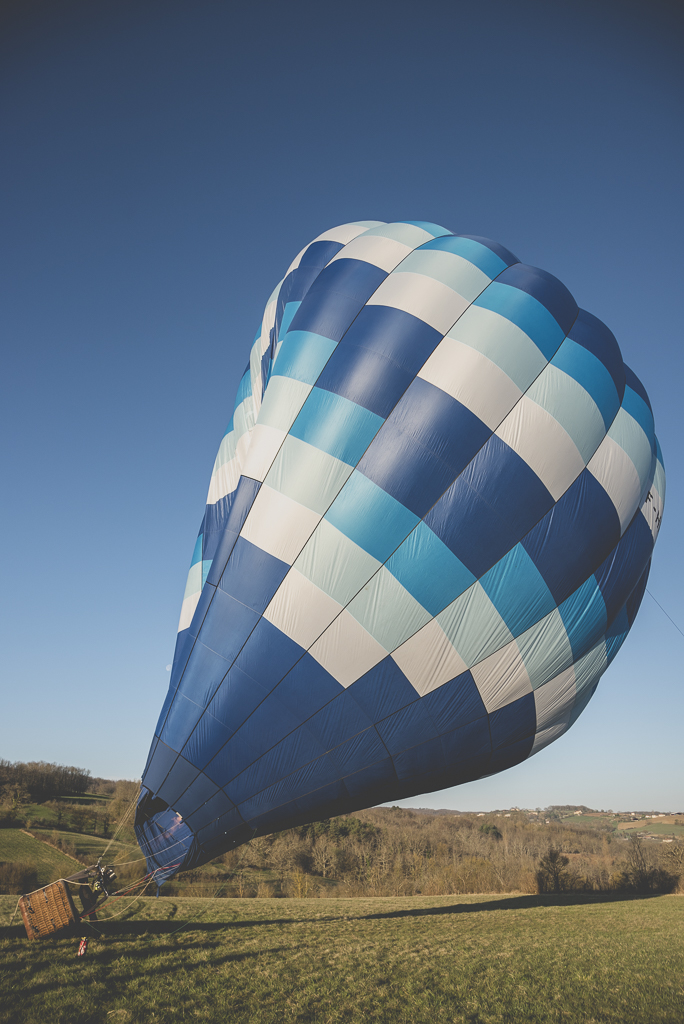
163	163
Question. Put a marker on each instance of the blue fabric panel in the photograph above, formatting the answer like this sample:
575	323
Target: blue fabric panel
267	360
245	493
227	625
513	722
336	297
159	766
170	694
336	426
485	512
205	600
276	730
268	655
331	800
424	757
204	672
373	783
238	697
244	388
426	442
481	254
201	790
232	760
454	704
546	289
405	339
197	553
319	254
339	720
358	752
593	335
407	728
525	312
383	690
177	781
226	823
307	686
288	315
208	737
508	756
632	381
639	410
584	617
153	747
575	360
501	251
370	517
575	537
635	598
467	743
368	378
209	811
252	576
287	756
517	590
320	772
430	572
303	356
619	574
180	721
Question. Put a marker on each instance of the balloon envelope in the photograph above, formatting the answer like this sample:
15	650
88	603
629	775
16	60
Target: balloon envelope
428	531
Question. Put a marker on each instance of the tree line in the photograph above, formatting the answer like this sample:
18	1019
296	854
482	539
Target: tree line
39	781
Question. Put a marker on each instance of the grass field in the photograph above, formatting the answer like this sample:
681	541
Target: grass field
50	863
400	960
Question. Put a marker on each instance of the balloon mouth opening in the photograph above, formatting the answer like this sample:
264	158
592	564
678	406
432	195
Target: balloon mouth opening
164	838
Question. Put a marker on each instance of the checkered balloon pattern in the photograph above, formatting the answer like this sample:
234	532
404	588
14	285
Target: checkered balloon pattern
428	531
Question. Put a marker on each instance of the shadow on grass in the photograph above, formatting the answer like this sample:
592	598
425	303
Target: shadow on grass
131	928
570	899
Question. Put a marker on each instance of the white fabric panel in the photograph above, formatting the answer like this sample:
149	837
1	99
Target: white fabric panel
433	302
307	474
591	667
502	677
554	701
428	659
549	734
385	253
335	563
545	446
387	611
474	626
572	406
283	401
343	233
546	648
630	436
409	234
652	510
225	478
472	379
188	609
502	341
264	445
346	650
300	610
279	525
615	471
449	268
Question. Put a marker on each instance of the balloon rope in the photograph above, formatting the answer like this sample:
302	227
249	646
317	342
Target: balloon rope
664	612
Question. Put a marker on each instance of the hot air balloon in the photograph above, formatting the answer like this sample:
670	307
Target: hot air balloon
428	531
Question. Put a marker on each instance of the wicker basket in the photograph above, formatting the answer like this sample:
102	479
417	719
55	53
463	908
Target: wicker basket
47	911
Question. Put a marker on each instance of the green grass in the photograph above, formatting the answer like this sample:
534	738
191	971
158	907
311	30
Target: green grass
50	863
88	846
400	960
